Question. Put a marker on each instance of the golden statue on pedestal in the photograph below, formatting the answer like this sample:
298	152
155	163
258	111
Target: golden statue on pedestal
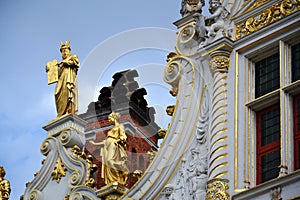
113	153
64	74
4	185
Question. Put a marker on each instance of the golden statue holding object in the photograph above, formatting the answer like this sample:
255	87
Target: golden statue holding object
64	74
4	185
113	153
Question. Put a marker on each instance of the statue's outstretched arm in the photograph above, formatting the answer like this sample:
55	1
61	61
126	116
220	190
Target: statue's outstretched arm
97	143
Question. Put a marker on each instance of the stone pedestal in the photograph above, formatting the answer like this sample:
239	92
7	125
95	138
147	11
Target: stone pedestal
66	121
111	192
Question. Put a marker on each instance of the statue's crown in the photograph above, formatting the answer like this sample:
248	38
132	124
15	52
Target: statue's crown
115	115
211	1
192	2
65	46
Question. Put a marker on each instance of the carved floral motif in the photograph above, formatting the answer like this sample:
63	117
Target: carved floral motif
191	177
220	63
59	171
268	16
217	189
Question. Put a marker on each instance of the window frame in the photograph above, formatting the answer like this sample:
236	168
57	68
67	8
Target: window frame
264	150
296	131
281	96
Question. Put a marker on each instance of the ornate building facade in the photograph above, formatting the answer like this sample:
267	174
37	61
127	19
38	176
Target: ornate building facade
125	97
234	132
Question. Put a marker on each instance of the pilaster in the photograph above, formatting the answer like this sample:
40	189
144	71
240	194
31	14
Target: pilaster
218	183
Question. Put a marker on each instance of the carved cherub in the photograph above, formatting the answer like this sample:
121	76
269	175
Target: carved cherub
218	18
169	192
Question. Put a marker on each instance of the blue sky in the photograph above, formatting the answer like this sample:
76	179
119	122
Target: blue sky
107	36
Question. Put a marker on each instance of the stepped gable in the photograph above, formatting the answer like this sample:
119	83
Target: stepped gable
123	92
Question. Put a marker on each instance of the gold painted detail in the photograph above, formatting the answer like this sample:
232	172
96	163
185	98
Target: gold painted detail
268	16
256	4
64	73
113	153
222	174
4	185
283	170
137	174
220	64
174	91
67	197
188	39
59	171
218	167
247	184
113	191
88	159
170	110
162	133
151	154
295	198
217	189
193	2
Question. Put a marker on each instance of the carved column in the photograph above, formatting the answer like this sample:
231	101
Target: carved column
218	157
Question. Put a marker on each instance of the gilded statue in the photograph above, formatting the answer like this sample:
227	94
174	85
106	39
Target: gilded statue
4	185
113	153
64	74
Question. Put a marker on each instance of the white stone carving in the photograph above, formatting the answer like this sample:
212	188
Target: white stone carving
191	6
191	177
197	30
65	169
220	18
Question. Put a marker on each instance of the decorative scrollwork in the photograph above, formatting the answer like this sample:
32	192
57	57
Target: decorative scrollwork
35	195
80	193
190	36
217	189
46	147
268	16
75	178
175	67
88	159
172	73
78	196
65	137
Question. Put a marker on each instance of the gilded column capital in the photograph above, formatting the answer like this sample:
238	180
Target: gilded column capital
217	189
219	61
